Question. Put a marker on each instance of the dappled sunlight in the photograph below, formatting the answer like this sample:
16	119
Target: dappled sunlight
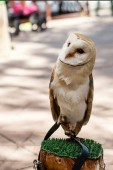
24	89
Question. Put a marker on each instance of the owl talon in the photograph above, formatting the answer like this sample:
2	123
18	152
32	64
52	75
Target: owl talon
70	134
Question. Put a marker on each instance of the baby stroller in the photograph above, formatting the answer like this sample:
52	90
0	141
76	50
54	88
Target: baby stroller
19	12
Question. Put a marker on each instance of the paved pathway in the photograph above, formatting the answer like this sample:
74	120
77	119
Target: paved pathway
25	114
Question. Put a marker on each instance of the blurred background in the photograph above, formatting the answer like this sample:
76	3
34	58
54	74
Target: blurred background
31	36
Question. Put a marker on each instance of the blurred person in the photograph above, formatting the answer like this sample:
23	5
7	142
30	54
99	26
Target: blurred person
98	7
112	7
84	7
87	8
60	7
5	42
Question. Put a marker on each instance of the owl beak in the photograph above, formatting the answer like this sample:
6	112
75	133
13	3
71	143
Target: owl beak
69	55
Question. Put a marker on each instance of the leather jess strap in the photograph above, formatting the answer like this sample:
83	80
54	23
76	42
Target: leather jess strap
80	160
49	133
83	157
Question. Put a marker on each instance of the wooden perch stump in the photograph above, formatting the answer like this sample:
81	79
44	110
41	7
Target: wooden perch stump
60	154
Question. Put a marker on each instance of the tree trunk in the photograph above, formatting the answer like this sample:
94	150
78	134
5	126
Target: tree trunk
53	162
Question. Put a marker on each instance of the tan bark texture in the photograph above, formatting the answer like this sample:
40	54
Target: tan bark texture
53	162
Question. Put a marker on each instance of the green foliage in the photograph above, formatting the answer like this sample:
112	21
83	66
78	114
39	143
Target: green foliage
66	148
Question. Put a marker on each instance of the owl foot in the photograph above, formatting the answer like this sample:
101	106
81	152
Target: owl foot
70	134
71	131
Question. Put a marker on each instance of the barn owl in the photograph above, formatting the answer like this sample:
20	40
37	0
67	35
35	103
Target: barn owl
71	84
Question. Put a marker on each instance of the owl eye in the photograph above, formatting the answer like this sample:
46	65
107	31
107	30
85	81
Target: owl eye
80	51
68	44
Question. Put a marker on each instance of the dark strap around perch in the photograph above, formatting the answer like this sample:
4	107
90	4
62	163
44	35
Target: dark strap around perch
52	130
83	157
49	133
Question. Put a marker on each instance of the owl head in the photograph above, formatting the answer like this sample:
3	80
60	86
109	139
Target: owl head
77	50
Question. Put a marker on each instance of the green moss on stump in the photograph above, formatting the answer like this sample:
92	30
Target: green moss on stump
65	148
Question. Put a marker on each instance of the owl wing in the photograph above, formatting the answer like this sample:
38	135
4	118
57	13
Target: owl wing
89	100
55	109
89	106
